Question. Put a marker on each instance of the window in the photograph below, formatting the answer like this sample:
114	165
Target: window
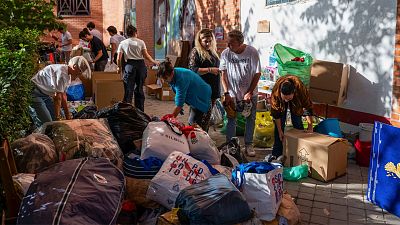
73	7
276	2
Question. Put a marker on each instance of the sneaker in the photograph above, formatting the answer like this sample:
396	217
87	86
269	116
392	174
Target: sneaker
269	158
250	151
247	109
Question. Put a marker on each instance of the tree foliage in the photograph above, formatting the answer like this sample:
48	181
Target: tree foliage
32	14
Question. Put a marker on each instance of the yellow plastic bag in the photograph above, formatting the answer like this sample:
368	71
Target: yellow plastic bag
264	130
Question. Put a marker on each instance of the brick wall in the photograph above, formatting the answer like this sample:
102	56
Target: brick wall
113	15
145	24
76	23
395	116
213	13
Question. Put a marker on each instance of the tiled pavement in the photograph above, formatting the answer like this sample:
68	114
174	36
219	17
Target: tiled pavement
341	201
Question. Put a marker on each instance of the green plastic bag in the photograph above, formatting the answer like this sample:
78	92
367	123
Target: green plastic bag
240	124
286	66
295	173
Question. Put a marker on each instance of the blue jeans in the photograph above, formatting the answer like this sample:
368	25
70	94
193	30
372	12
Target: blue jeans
134	75
250	124
43	106
277	149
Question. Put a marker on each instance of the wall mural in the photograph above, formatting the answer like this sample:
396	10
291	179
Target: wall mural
174	21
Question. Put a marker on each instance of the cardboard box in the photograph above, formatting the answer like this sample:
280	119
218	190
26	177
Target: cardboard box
151	77
107	92
328	82
152	89
326	156
165	94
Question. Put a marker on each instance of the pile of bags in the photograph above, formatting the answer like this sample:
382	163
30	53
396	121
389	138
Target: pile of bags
174	167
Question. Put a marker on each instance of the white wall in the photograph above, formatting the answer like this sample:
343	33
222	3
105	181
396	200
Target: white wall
357	32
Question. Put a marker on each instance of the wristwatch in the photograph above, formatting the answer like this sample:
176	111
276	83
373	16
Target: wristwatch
226	93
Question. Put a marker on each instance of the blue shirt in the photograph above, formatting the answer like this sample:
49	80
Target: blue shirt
189	88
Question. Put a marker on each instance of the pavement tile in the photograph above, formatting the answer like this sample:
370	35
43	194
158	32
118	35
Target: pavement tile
307	190
356	203
356	211
371	207
307	196
320	212
335	207
304	202
391	219
339	201
321	205
338	195
373	215
356	219
322	198
305	217
319	219
337	222
305	209
339	215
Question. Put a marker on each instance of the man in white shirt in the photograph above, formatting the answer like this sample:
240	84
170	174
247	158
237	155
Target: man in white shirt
241	70
66	44
50	85
94	31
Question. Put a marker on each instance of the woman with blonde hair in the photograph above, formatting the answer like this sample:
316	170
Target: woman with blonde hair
204	61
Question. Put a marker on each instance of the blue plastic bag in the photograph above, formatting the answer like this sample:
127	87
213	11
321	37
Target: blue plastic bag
76	92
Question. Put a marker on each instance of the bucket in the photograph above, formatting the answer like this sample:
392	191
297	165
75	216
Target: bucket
363	152
329	126
366	131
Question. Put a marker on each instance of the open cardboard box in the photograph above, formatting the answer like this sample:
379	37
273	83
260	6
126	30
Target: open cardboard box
326	156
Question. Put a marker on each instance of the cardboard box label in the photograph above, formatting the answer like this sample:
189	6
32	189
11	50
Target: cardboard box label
165	93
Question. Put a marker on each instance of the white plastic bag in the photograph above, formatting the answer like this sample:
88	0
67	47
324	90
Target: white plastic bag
111	67
178	172
160	139
202	147
263	191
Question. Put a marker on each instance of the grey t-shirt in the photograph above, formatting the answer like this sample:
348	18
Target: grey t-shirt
240	69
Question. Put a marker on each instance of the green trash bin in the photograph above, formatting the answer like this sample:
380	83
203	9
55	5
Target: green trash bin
284	56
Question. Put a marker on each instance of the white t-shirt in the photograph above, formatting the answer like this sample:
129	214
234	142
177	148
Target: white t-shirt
65	37
132	48
96	33
240	69
53	78
116	39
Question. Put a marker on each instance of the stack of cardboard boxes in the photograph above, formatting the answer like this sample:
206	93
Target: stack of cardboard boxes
325	156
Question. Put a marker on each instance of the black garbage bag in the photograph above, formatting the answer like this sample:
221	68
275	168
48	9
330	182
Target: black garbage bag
127	124
212	201
89	112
